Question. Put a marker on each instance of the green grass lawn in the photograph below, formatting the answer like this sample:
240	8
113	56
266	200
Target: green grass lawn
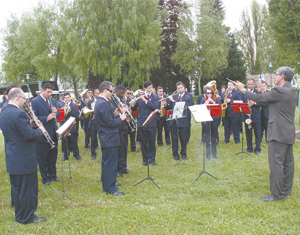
229	205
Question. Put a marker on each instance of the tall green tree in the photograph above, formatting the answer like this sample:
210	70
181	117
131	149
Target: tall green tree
285	25
117	39
205	51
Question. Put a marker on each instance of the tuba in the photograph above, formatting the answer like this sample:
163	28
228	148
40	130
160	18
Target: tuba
85	95
213	84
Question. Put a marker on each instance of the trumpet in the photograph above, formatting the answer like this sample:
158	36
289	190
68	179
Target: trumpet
129	120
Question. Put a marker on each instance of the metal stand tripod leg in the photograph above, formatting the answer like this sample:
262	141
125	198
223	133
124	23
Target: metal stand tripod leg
147	178
242	152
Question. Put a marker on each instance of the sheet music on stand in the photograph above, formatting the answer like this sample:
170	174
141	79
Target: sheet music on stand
178	111
200	113
67	127
150	117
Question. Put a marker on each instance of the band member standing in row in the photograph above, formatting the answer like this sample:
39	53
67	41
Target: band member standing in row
107	126
146	104
264	112
93	128
181	125
21	163
4	98
128	96
210	129
8	88
255	118
73	138
161	121
61	102
86	120
44	107
282	102
231	119
123	132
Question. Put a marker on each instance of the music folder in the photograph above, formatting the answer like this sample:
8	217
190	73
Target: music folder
240	107
61	115
151	116
67	127
215	110
200	113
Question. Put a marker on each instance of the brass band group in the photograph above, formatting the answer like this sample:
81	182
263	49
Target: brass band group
117	116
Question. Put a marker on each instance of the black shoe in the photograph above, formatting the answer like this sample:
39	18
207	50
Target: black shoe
176	158
267	199
78	158
55	179
126	171
225	142
118	184
38	219
145	164
47	183
249	151
168	144
65	158
160	145
117	193
153	163
94	157
183	157
133	150
120	175
257	152
237	142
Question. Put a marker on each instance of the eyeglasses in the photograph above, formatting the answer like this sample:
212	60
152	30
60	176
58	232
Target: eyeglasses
111	91
277	74
208	93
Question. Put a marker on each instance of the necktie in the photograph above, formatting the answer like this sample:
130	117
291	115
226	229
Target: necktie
147	98
109	102
179	98
47	101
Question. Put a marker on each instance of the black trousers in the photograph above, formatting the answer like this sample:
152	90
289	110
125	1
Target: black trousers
162	124
87	132
47	160
210	130
94	139
109	169
122	152
264	127
281	162
257	132
132	140
147	139
72	144
232	124
25	196
182	132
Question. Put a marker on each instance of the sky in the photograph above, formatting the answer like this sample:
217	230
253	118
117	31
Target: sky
233	11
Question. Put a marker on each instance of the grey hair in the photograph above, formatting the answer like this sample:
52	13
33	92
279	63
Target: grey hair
14	92
287	72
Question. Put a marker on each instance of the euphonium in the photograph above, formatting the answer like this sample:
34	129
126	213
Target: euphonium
85	95
213	84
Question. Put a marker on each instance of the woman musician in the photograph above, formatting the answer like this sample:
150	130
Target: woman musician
210	129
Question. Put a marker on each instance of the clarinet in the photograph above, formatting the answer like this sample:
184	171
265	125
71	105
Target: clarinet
130	120
37	122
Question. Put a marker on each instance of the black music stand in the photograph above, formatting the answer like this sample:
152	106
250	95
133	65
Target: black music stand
241	108
63	135
200	115
149	118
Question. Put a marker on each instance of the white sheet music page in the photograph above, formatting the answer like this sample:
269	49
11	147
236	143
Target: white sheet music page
65	126
200	113
178	110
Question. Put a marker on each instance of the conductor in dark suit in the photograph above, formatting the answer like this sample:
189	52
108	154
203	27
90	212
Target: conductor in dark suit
73	138
45	109
21	163
180	126
107	126
281	132
146	104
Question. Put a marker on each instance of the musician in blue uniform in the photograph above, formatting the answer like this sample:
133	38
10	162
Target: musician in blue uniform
264	112
161	122
45	109
231	120
107	126
86	120
92	125
61	102
146	104
132	135
180	127
8	88
210	129
73	138
21	163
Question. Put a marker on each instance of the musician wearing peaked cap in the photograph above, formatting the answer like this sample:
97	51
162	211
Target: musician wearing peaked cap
45	109
21	162
108	131
282	102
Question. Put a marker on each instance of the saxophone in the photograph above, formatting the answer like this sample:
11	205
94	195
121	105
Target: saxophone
37	122
224	105
162	109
